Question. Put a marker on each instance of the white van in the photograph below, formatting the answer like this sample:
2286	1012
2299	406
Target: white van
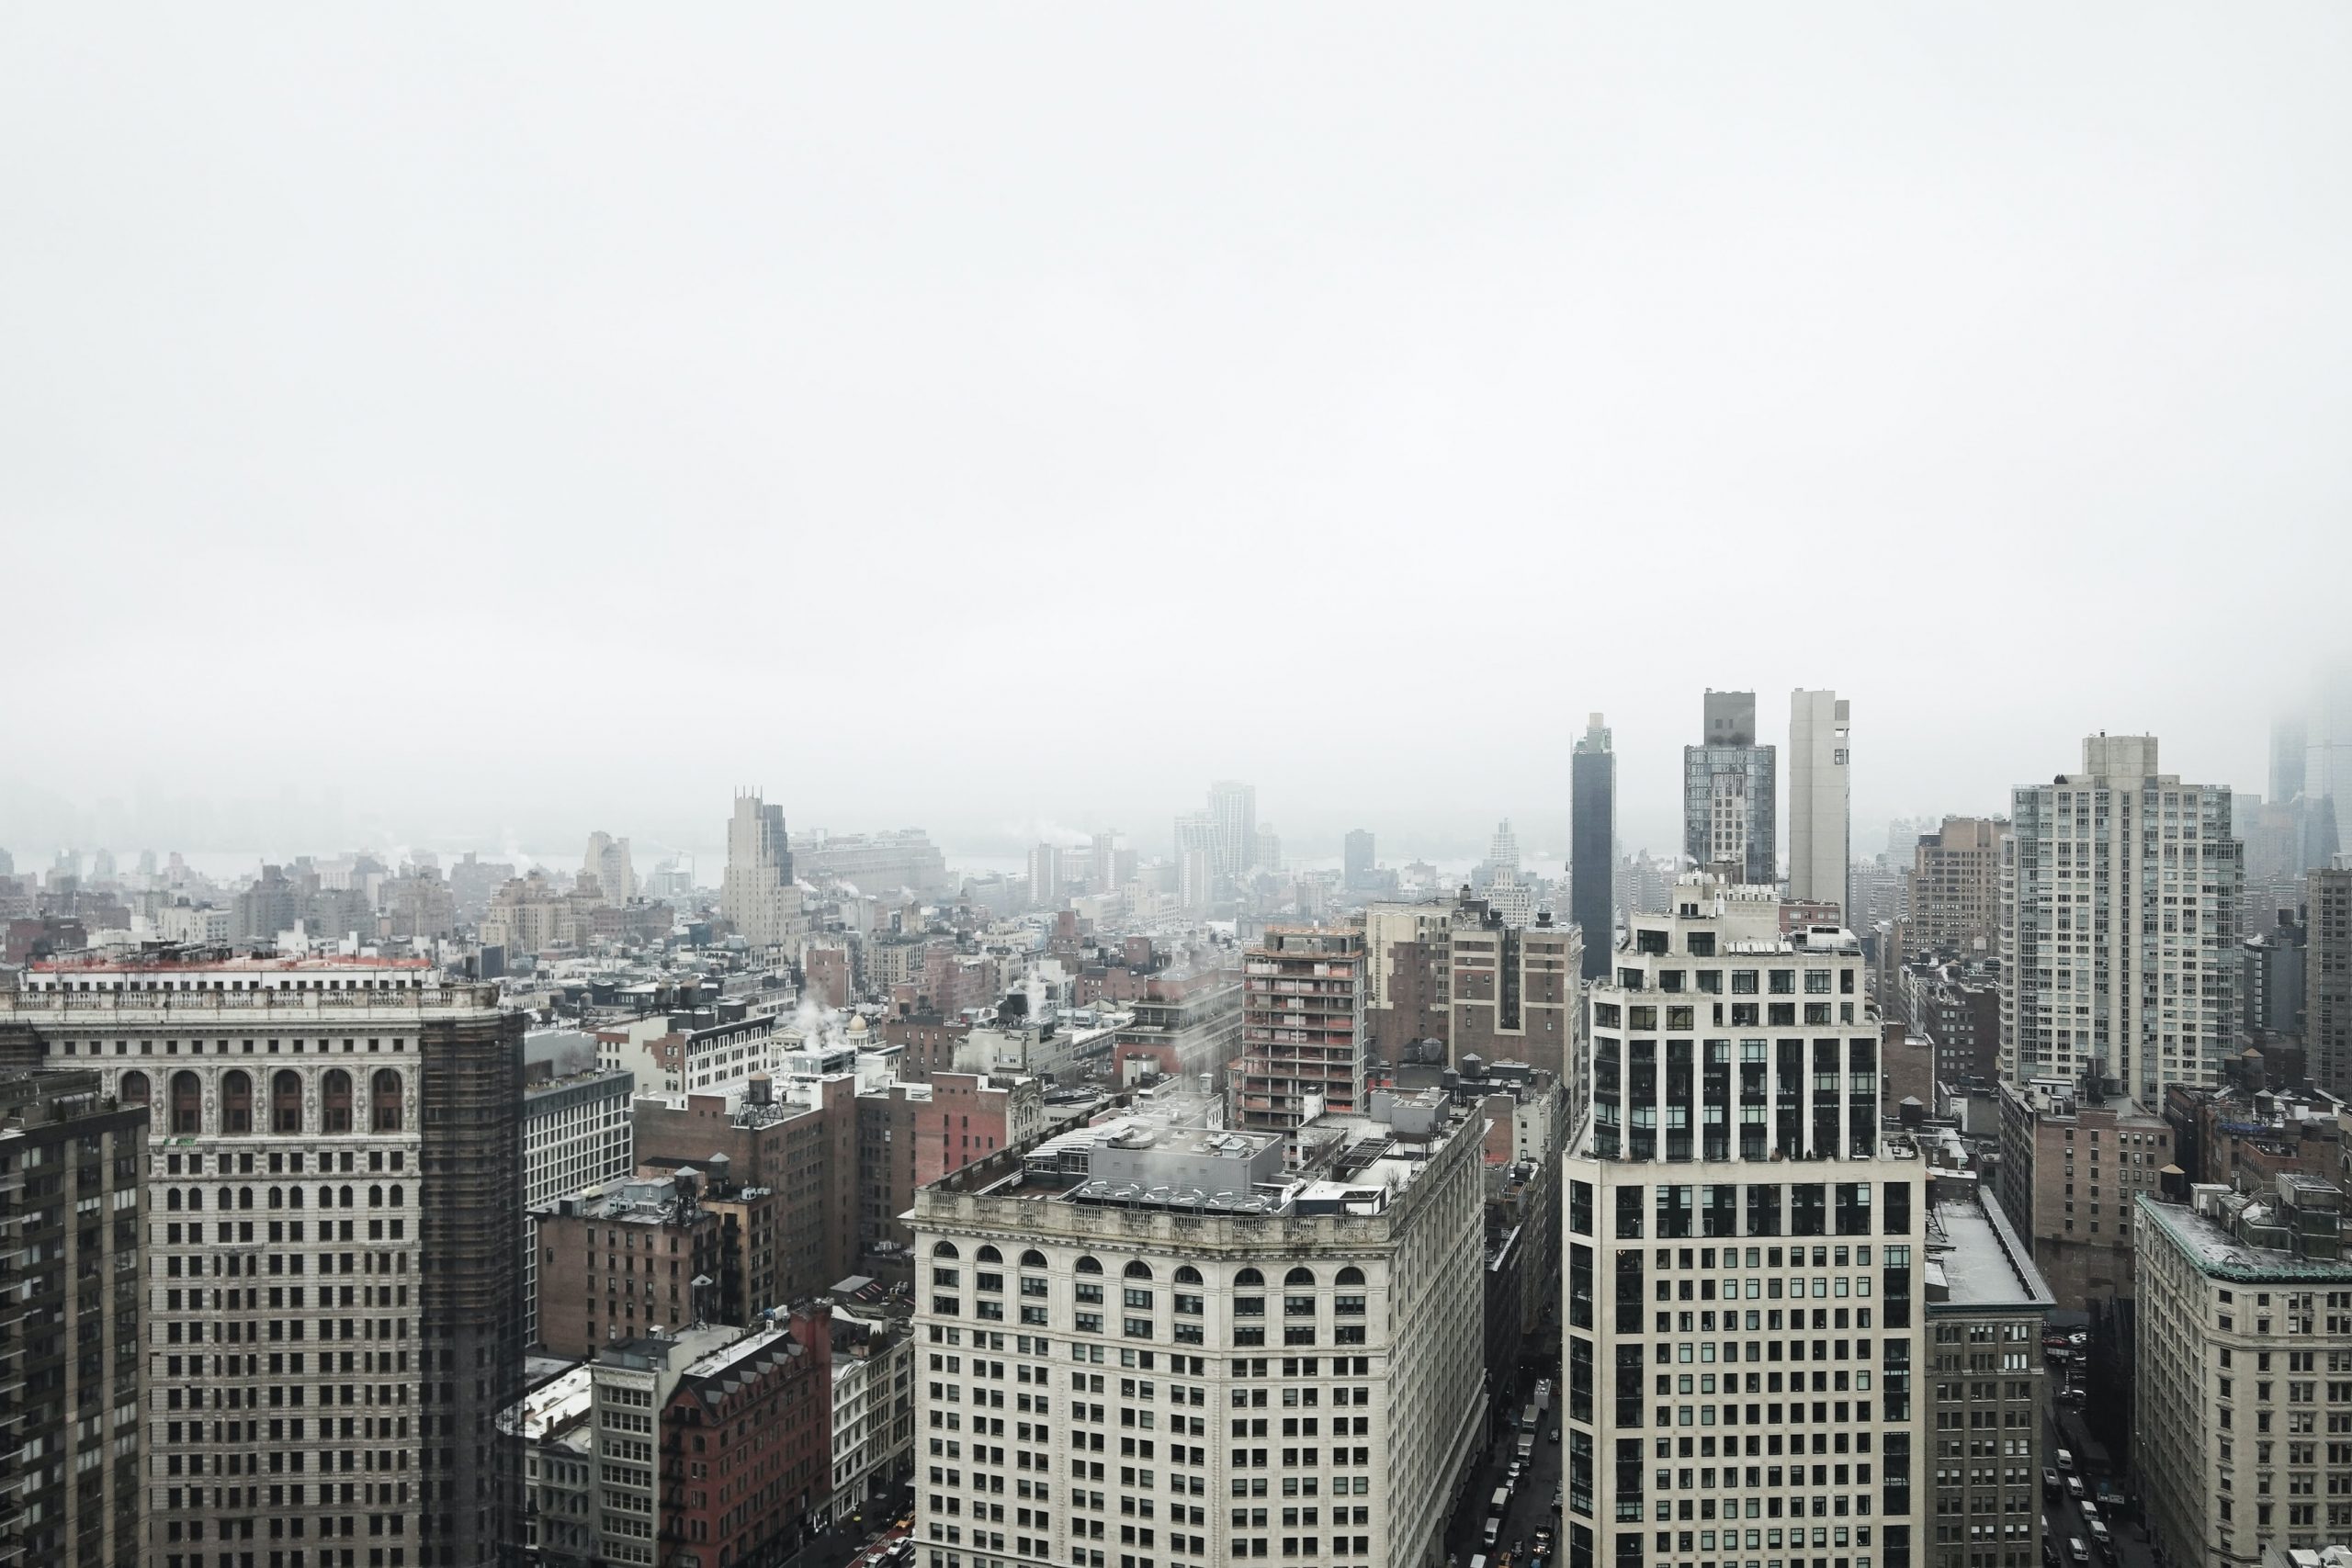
2076	1552
1494	1529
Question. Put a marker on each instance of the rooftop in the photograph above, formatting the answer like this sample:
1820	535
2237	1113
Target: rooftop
1974	1259
2215	1228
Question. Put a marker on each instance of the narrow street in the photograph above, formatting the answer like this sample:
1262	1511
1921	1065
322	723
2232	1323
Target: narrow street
2065	1516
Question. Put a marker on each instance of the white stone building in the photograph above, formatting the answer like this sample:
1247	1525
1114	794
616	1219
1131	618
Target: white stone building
2119	925
1196	1346
874	1397
2244	1371
1732	1154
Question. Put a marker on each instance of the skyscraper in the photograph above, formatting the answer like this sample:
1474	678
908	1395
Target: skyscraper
2289	744
2327	981
1233	828
2327	769
1707	1169
1356	858
607	860
1821	833
1046	878
1592	845
1103	863
1728	793
2119	924
759	896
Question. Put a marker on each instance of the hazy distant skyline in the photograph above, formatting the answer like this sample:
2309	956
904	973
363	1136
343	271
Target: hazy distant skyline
518	420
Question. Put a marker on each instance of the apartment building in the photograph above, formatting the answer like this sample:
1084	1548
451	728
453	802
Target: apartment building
1732	1154
321	1130
2243	1436
1179	1031
1481	986
1150	1340
2073	1159
1302	1027
2119	925
1729	784
73	1221
1955	893
873	1395
576	1134
2328	980
712	1443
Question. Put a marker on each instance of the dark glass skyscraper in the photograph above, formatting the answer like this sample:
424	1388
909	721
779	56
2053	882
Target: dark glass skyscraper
1592	845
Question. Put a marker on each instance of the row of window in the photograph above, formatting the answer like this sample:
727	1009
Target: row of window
1137	1268
185	1112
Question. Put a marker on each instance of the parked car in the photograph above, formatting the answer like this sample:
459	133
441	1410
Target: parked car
1516	1466
1556	1433
2049	1482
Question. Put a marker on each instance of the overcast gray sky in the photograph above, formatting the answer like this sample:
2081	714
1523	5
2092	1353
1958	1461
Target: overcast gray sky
519	420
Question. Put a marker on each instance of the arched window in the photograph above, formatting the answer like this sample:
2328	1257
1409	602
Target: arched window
991	1255
172	1200
327	1197
132	1090
1249	1276
196	1200
1187	1275
1137	1268
1351	1275
1033	1259
236	1102
187	1104
946	1250
277	1198
293	1197
375	1197
384	1102
1299	1277
286	1102
244	1197
396	1197
1088	1265
342	1199
334	1101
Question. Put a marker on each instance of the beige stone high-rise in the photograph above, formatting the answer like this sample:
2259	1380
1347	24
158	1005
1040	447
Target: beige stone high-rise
1821	814
759	896
2119	924
1956	888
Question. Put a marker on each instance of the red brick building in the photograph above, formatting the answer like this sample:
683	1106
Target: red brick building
747	1446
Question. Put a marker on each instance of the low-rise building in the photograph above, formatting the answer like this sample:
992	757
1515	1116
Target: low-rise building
713	1443
873	1393
559	1524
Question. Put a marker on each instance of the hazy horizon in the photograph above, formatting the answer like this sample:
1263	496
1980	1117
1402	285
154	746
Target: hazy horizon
506	422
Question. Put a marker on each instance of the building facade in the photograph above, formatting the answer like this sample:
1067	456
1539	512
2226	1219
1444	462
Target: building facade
2119	924
1955	894
1986	1386
1246	1358
758	897
1729	793
1592	845
576	1134
343	1138
1302	1027
73	1219
2071	1166
2244	1371
2327	981
1821	803
1746	1166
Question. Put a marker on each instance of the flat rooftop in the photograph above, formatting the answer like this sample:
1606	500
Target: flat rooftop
2216	1250
1975	1254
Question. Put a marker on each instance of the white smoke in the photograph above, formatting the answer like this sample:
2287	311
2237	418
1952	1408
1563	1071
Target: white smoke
817	1024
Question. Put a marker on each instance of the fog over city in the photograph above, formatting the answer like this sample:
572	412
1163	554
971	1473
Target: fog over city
469	426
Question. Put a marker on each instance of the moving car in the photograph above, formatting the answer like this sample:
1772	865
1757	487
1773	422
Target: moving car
2049	1482
2065	1459
1556	1433
2076	1552
2074	1487
1494	1529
